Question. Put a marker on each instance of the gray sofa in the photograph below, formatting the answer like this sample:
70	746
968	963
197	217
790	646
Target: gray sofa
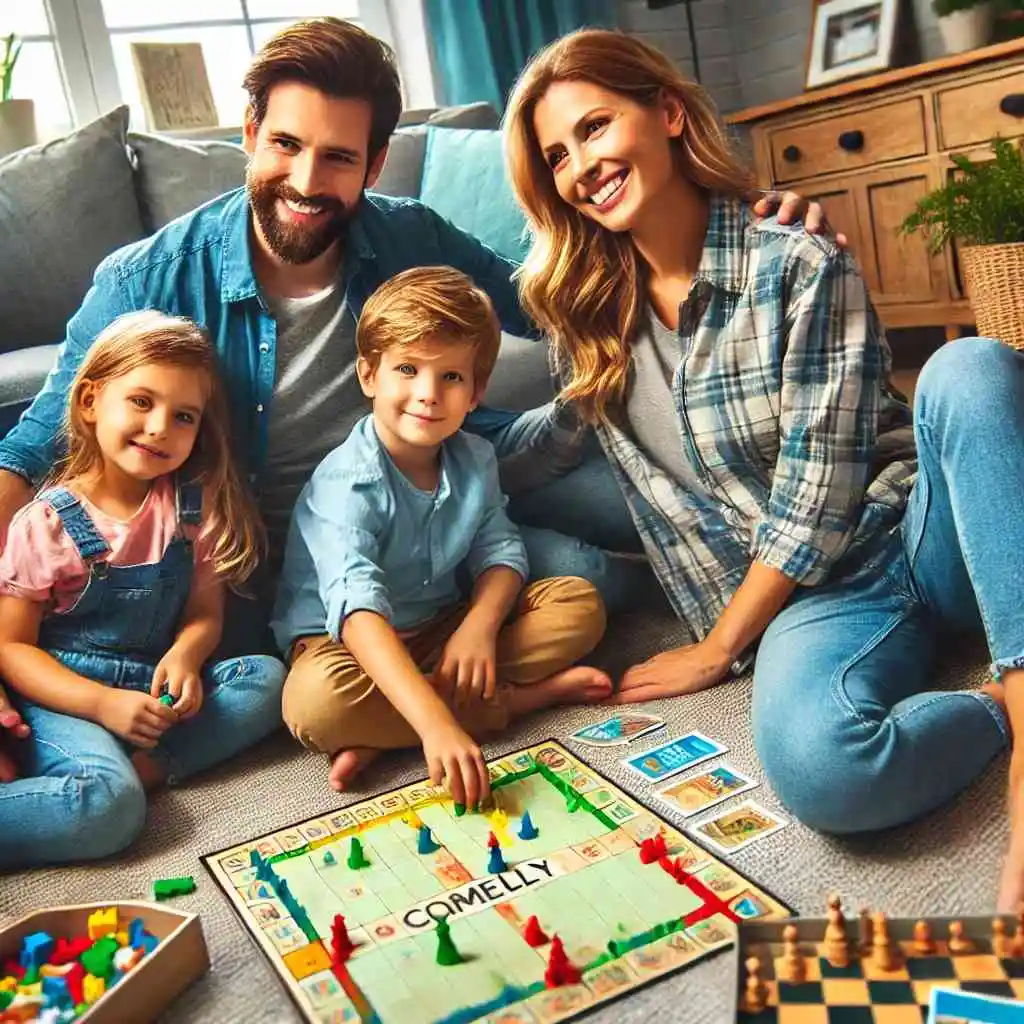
67	204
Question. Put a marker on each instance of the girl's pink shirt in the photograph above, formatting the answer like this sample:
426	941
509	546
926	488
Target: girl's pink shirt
40	562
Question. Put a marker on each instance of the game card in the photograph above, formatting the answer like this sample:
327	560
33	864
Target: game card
618	730
951	1006
732	830
673	757
698	793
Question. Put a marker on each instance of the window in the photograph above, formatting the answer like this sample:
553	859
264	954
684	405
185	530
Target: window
37	75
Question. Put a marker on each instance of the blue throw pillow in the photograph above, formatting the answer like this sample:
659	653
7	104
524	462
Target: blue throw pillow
464	181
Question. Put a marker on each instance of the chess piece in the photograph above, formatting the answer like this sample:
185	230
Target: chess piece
883	954
958	943
923	943
1017	943
757	991
865	929
1000	943
794	967
836	945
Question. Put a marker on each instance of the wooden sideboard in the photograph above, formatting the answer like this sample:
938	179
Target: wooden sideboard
868	149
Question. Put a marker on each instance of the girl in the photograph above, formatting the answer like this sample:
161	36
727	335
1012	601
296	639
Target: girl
737	375
112	584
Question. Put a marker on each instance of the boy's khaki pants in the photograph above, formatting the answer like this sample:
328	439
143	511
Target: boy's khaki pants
331	704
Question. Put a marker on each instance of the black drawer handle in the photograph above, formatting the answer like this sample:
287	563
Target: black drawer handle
1013	104
791	153
852	141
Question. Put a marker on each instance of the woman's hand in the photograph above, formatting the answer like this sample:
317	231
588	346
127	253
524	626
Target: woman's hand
672	673
793	208
13	725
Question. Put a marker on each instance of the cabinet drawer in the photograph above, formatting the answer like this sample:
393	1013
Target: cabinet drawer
847	141
979	111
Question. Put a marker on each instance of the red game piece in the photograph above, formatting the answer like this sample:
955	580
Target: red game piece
341	945
68	950
560	971
652	850
492	840
73	980
13	968
533	933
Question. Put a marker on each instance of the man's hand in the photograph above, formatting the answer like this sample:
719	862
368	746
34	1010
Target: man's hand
183	681
136	717
466	667
683	670
793	208
453	756
11	725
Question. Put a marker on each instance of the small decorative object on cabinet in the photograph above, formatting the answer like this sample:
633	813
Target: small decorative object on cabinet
17	117
868	150
964	24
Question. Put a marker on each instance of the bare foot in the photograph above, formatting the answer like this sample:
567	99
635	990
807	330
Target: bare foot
581	684
347	764
998	693
150	774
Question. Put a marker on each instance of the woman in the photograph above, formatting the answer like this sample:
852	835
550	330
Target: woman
737	375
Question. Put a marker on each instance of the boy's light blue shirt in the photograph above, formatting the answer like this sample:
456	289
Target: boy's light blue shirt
364	537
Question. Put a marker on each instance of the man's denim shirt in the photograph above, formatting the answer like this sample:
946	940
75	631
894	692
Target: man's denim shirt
200	266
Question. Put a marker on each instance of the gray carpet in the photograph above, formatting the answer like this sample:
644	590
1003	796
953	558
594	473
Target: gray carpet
945	864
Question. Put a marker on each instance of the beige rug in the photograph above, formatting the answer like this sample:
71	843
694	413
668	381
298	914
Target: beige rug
945	864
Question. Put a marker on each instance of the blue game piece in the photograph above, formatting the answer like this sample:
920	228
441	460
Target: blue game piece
55	992
136	932
527	830
496	862
35	950
329	858
425	842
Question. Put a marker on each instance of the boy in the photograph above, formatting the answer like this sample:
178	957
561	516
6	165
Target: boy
369	601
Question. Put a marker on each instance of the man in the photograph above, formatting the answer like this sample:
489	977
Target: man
278	273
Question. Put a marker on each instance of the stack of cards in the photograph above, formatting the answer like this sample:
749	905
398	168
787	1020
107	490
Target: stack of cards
618	730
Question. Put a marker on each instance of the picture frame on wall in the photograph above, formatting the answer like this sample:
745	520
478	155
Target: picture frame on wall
851	38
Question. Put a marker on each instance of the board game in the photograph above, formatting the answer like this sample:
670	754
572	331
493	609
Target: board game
562	893
871	969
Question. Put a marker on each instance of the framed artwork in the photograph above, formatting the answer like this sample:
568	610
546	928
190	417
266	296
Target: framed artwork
174	86
850	38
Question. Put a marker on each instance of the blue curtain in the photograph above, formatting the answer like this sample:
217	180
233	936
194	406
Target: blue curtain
480	46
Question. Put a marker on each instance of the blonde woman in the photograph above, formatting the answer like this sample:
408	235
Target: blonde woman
737	375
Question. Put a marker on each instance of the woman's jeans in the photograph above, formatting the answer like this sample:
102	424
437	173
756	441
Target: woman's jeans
851	737
79	796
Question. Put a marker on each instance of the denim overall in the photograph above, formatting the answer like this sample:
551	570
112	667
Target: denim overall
79	796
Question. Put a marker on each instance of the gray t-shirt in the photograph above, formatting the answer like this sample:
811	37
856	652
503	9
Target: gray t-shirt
316	399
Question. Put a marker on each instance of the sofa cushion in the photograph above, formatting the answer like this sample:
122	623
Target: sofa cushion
174	177
464	180
63	207
403	169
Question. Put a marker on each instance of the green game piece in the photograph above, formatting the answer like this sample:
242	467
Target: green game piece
81	1008
447	954
356	857
5	999
168	888
98	959
30	977
329	858
167	700
460	810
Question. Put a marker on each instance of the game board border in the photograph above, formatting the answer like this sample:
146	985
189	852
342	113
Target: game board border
206	858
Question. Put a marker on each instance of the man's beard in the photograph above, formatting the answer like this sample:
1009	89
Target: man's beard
290	242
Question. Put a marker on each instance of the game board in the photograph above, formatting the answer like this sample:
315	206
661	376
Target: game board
623	919
862	992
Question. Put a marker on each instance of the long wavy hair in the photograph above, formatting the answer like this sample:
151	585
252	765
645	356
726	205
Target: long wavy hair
584	285
139	339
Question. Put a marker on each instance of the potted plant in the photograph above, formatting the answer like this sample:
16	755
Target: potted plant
964	24
981	209
17	117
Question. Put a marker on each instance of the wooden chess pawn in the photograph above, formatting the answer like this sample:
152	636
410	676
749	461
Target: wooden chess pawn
794	967
958	943
866	927
836	945
883	954
923	943
1017	943
1000	943
756	991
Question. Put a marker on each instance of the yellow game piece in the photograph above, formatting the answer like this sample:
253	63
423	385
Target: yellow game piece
102	922
499	819
92	988
8	984
32	991
413	820
53	970
122	938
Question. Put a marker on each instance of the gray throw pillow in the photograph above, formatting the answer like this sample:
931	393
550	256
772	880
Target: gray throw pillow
64	206
175	177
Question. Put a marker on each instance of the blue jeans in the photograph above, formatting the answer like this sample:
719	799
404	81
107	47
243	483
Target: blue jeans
80	798
849	734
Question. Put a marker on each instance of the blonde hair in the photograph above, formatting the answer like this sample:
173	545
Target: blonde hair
139	339
430	301
585	285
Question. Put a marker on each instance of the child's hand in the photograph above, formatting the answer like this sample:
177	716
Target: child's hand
467	663
136	717
451	754
11	724
182	681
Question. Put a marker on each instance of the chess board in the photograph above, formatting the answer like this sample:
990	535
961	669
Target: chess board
861	993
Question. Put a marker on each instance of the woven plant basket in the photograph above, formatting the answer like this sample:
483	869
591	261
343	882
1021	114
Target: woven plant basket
994	279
